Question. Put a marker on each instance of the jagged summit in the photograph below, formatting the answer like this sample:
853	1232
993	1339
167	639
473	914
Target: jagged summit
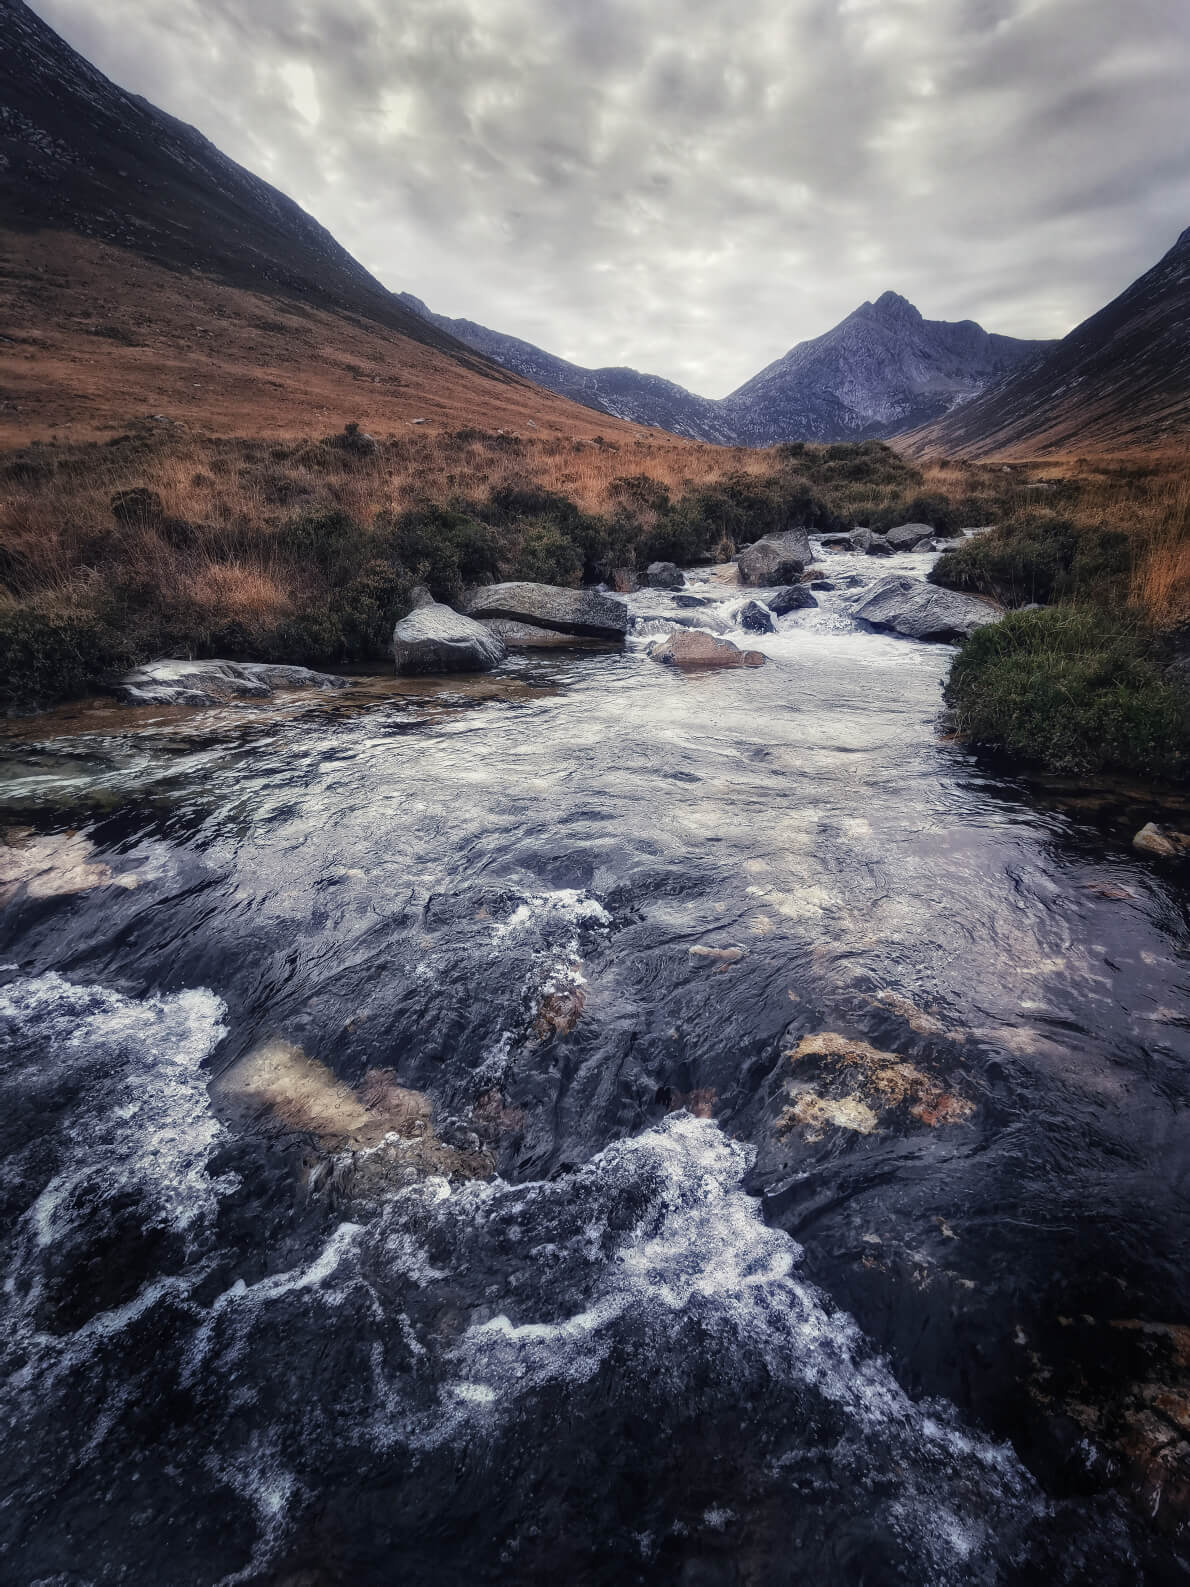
882	369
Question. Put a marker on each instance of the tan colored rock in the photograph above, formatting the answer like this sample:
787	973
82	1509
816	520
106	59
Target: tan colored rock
692	647
52	866
1169	845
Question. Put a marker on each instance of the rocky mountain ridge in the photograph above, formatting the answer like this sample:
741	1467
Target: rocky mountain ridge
1119	380
883	369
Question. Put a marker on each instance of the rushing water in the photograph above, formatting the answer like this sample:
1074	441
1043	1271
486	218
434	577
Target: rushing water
407	1178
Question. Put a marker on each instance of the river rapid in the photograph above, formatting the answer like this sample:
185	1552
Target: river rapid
587	1124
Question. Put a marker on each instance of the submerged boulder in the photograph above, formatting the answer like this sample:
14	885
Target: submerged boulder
434	638
213	682
922	611
625	581
796	597
584	612
777	559
1163	841
694	648
907	536
665	576
756	618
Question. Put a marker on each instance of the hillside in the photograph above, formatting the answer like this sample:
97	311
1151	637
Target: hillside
1120	381
142	273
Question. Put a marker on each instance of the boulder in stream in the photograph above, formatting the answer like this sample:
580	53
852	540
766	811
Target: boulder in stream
922	611
694	648
860	538
434	638
587	613
756	618
665	576
908	536
1162	841
777	559
796	598
213	682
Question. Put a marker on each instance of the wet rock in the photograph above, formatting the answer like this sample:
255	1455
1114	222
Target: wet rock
822	584
859	539
907	536
777	559
878	546
795	598
52	866
756	618
524	636
837	543
664	576
922	611
694	648
887	1084
433	638
625	581
1162	841
688	602
583	612
212	682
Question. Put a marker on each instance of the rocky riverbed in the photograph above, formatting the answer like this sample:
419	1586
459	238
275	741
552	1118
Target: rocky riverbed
594	1122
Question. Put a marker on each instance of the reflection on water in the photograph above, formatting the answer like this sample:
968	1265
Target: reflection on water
755	1006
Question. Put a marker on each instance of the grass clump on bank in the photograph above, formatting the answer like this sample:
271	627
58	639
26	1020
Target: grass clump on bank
1074	689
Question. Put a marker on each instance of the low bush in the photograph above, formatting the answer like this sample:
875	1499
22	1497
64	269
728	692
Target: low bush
1041	557
1072	689
47	656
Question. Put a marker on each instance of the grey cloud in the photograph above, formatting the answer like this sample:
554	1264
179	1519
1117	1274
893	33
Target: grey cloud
687	187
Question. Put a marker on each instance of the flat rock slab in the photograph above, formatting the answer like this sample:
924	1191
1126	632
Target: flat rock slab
524	636
922	611
213	682
585	612
691	647
434	638
777	559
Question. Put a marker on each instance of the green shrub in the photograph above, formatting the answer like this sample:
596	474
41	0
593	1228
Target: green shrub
1071	689
1027	559
548	557
328	542
439	547
46	656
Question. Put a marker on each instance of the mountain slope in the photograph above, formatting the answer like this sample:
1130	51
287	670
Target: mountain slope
624	393
214	297
881	370
1120	380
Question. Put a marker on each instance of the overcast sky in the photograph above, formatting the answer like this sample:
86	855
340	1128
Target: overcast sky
691	186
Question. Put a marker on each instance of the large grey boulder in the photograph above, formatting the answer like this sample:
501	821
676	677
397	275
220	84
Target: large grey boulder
878	546
920	610
860	538
213	682
583	612
777	559
796	598
907	536
664	576
434	638
693	648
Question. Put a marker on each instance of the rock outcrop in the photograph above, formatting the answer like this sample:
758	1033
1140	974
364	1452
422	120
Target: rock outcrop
922	611
1162	841
693	648
213	682
434	638
908	536
777	559
756	619
664	576
796	598
587	613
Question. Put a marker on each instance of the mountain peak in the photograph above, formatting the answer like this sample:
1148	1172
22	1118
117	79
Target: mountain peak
891	307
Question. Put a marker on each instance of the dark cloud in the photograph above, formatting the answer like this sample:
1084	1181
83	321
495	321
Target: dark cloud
690	187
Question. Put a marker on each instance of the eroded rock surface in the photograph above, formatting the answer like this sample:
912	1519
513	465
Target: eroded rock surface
213	682
587	613
777	559
922	611
695	648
